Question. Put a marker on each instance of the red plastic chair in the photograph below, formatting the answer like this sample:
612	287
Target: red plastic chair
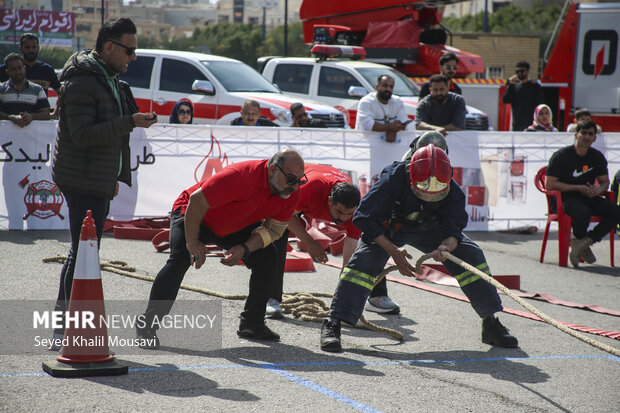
564	221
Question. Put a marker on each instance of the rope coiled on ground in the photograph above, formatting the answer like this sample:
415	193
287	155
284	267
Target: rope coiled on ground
306	306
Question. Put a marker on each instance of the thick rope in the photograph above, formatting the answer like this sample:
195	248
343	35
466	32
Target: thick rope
519	300
306	306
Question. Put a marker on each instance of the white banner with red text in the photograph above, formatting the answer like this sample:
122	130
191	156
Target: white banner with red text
495	169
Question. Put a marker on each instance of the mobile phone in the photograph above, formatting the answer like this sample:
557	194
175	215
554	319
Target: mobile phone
407	122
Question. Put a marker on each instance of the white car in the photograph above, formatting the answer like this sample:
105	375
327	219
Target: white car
217	87
341	84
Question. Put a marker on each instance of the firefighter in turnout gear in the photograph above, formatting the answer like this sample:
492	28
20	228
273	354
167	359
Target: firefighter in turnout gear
415	203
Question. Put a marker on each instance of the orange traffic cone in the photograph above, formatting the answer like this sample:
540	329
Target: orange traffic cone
87	352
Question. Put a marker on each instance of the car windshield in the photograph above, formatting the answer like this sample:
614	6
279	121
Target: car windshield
239	77
402	85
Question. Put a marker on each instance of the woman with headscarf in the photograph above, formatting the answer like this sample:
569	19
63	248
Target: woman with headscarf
543	120
183	112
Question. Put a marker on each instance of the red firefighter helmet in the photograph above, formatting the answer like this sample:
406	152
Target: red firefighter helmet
430	173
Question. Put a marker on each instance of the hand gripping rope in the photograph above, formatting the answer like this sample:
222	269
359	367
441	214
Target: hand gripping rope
309	307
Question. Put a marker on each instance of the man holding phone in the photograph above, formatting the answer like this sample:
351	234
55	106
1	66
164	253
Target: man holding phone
96	116
382	111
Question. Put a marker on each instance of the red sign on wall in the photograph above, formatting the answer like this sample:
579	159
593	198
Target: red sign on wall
54	28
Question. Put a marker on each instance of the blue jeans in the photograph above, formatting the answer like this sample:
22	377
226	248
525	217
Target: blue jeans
369	260
78	204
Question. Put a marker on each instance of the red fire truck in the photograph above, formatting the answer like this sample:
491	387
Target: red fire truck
403	34
581	70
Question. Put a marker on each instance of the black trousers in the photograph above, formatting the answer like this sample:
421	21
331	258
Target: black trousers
278	280
78	204
262	264
581	209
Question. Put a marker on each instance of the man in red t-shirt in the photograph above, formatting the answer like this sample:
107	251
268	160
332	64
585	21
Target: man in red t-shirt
228	209
328	196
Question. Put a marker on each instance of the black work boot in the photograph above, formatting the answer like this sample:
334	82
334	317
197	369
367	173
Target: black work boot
330	336
494	333
257	331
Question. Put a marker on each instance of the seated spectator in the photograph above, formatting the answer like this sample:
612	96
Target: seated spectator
250	115
580	173
182	112
581	115
21	101
301	119
543	120
441	111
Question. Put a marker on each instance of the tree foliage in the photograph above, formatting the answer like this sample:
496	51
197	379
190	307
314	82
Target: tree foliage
538	21
238	41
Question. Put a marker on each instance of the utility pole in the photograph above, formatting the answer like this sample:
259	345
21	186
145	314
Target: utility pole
285	28
264	16
485	24
102	11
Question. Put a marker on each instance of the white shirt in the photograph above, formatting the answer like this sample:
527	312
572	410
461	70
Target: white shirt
371	110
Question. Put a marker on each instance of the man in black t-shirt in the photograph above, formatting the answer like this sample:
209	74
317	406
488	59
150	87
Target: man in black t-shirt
580	173
524	95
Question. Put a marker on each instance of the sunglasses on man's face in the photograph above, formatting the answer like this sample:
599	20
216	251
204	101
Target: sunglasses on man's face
518	71
292	180
129	50
185	112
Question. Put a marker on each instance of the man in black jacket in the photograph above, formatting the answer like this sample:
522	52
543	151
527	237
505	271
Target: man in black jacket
524	95
92	148
250	115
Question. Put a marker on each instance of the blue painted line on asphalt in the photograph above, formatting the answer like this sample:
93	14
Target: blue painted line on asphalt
339	363
321	389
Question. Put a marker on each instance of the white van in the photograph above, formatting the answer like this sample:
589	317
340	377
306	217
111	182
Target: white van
217	87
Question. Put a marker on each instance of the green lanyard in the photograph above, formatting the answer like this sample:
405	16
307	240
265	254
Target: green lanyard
111	83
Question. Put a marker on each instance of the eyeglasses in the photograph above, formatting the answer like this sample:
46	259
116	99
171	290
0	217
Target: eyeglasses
301	115
520	71
291	179
448	67
129	50
185	112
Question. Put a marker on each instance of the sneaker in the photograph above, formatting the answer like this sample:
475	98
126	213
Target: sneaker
256	332
273	310
330	336
588	256
495	334
151	341
577	248
383	305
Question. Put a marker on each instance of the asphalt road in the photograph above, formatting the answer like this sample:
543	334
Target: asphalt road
441	366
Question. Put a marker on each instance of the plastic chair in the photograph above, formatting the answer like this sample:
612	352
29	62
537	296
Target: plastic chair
555	212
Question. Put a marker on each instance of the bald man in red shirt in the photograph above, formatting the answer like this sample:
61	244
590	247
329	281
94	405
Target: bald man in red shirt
329	195
228	209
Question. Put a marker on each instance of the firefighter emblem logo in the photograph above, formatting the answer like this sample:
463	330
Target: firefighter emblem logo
43	199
